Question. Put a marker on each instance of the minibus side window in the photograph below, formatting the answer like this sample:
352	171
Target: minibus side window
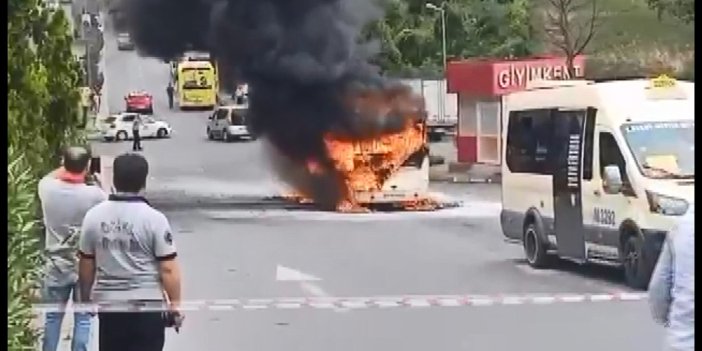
528	136
610	154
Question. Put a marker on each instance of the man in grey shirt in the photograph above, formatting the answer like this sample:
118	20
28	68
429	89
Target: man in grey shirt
672	288
65	199
127	250
136	125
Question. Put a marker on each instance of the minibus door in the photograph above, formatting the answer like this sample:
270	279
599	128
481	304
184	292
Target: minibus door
567	195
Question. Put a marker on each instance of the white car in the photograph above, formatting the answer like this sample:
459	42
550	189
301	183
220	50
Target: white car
228	123
124	42
118	127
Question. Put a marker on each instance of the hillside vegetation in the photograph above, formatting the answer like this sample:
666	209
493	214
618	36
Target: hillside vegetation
633	40
631	35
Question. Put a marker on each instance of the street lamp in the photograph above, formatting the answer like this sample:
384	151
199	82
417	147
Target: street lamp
441	10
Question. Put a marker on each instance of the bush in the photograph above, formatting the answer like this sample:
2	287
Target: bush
23	254
42	117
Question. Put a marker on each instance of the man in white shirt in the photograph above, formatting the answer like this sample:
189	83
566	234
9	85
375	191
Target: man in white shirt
65	199
127	250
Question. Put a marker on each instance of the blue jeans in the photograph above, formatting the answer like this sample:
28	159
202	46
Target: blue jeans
52	327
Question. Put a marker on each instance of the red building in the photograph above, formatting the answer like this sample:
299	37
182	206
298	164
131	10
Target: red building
480	85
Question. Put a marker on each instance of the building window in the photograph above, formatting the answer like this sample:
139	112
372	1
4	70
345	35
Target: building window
467	123
488	131
529	134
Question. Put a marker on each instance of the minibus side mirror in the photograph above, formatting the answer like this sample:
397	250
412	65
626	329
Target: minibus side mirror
612	179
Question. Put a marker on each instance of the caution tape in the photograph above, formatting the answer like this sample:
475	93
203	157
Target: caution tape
344	303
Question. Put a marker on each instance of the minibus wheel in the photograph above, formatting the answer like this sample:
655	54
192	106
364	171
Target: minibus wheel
634	263
535	249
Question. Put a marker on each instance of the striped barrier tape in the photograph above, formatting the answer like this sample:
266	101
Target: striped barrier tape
346	303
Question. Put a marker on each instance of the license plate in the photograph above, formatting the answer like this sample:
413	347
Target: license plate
393	196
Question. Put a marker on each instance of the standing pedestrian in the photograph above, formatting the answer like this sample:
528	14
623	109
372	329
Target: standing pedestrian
85	102
127	250
98	98
672	289
92	100
95	96
65	199
239	95
169	92
136	146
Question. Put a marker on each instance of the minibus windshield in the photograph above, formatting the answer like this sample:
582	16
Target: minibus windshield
196	78
663	150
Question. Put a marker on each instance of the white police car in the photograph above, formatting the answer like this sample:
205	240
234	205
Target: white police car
118	127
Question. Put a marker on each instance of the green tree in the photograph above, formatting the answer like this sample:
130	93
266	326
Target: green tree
42	108
411	35
570	26
54	52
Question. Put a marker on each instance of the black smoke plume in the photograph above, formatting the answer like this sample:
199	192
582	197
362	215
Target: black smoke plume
302	60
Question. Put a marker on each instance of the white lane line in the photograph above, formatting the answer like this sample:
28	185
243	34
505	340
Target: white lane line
305	281
449	302
355	303
322	305
572	298
543	299
289	305
418	303
387	303
602	297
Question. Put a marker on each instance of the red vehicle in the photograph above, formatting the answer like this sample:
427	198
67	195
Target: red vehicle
140	101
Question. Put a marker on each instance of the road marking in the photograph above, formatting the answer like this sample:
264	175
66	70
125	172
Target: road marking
358	303
306	284
284	274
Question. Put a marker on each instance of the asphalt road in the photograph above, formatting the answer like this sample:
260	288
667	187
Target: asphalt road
235	252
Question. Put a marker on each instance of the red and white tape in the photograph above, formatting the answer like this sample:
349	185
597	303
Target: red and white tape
349	303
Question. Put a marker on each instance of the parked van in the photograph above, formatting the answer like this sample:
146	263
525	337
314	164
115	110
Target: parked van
228	123
598	171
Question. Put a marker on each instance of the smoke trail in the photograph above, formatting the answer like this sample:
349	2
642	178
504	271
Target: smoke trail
302	59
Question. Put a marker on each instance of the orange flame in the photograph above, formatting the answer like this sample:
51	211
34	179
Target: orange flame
366	163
